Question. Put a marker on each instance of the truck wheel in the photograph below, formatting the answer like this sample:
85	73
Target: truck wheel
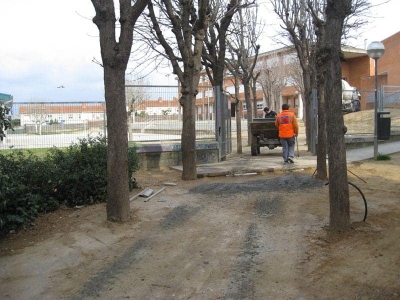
253	145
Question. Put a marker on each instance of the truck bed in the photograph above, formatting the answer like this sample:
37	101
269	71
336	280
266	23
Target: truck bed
265	127
264	134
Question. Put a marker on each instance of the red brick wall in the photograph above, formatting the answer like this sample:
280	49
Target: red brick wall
390	61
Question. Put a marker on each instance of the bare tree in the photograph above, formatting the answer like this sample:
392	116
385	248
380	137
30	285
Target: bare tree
327	23
317	12
188	24
336	13
253	88
298	29
115	53
136	96
214	50
277	72
243	42
303	24
234	71
38	114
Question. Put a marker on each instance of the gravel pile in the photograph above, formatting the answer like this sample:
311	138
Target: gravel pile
287	183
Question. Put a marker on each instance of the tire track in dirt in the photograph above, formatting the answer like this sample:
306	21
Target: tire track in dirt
106	277
247	271
201	246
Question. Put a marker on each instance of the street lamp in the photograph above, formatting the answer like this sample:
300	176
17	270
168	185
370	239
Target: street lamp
375	51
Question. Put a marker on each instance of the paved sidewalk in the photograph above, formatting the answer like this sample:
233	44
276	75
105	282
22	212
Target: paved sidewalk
368	152
241	165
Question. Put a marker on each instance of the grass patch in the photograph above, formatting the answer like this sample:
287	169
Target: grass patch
381	156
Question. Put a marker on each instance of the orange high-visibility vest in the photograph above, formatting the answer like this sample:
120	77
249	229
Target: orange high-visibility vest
286	122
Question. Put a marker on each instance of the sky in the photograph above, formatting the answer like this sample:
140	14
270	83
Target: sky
48	46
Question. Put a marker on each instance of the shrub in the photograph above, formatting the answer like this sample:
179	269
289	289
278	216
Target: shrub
81	171
31	184
23	181
382	157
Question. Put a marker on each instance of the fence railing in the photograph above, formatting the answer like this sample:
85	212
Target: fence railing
44	125
363	122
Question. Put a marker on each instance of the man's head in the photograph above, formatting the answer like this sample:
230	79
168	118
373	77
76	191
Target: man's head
285	106
266	109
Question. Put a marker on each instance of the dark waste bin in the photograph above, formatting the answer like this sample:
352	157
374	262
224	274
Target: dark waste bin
383	126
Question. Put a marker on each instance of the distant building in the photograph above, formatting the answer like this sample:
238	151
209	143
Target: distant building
39	113
357	69
158	107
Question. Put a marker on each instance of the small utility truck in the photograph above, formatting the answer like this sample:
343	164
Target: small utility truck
264	133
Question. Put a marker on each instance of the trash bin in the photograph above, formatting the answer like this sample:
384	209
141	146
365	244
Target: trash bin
383	126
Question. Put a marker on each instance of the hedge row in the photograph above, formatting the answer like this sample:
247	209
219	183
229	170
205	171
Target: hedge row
31	184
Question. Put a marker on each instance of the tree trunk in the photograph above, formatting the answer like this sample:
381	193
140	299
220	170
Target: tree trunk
307	105
246	86
115	57
320	70
322	172
188	139
238	110
336	12
189	35
118	205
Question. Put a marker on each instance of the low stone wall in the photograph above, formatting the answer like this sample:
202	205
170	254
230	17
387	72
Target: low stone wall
164	155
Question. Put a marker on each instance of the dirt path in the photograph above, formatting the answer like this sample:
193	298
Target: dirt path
261	237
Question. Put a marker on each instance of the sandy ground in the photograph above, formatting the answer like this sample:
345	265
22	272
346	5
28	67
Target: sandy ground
249	237
245	237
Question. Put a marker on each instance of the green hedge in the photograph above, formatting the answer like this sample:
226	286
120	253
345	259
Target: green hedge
31	184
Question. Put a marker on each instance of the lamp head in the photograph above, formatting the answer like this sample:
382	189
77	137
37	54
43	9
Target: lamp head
375	50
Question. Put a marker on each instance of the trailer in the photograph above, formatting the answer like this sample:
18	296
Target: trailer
264	133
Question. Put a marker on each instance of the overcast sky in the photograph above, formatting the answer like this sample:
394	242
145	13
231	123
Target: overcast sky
50	44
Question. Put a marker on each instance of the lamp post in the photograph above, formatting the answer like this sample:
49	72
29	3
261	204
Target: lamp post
375	51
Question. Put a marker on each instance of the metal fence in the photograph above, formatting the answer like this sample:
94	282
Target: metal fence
362	122
390	97
154	115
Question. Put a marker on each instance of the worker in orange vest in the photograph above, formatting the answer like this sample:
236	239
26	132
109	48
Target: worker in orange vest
288	128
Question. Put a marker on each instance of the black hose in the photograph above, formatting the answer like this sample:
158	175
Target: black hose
362	195
365	201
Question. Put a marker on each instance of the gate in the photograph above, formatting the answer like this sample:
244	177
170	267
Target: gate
223	127
155	114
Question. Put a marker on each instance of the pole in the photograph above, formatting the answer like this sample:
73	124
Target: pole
376	112
203	111
208	107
